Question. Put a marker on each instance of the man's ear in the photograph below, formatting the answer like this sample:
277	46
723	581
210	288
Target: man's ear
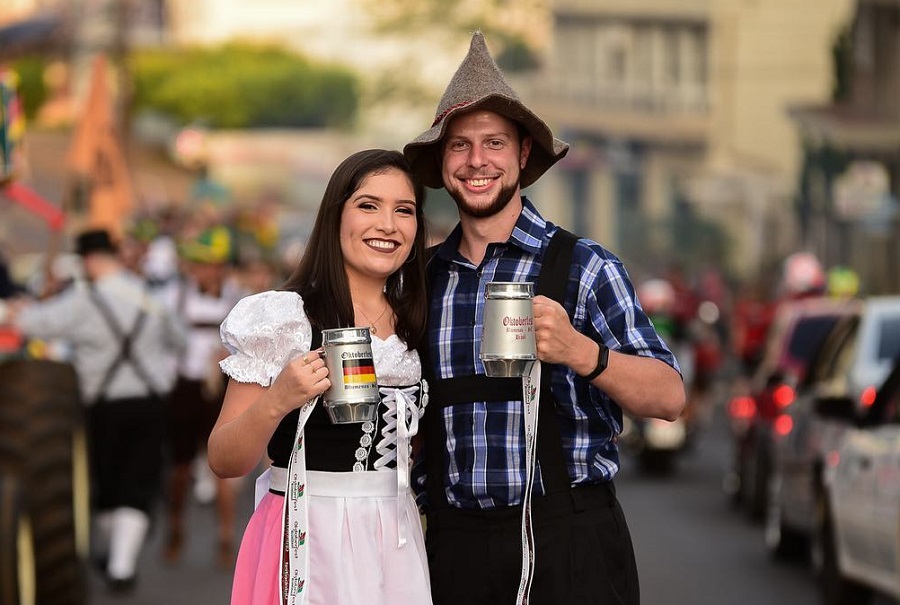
525	151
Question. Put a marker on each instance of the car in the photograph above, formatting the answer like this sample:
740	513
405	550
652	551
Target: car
796	332
856	539
853	361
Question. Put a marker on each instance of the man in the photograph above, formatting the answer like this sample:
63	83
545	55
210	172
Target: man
600	356
201	298
121	340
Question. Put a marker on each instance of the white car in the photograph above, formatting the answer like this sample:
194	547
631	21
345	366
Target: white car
856	542
852	363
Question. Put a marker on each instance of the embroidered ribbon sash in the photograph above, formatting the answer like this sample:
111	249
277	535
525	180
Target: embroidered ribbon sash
531	388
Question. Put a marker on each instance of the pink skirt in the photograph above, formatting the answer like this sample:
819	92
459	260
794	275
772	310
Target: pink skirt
354	556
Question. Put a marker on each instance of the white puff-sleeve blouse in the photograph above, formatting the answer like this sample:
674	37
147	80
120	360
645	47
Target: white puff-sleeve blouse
266	331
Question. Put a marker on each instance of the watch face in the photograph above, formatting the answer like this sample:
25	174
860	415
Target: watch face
602	358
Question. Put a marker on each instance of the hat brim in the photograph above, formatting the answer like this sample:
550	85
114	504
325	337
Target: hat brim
423	152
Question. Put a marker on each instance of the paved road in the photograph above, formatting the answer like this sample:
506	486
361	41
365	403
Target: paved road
694	548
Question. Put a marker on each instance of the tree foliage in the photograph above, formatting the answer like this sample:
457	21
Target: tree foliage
240	86
508	24
32	89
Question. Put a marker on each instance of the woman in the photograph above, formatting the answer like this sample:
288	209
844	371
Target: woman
363	266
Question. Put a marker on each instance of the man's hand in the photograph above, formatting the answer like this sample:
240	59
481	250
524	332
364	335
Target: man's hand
557	341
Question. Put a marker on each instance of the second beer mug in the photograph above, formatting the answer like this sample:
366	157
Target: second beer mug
507	341
353	394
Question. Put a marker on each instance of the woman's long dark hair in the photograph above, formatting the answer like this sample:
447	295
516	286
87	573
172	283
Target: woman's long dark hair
320	277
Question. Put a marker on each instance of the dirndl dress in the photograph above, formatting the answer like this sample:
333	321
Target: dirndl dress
363	536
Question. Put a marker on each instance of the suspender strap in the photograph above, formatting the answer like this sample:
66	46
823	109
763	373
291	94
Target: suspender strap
465	389
553	280
181	307
552	283
433	431
431	427
125	342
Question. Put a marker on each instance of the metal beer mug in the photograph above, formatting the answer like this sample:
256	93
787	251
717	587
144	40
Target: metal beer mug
353	395
507	340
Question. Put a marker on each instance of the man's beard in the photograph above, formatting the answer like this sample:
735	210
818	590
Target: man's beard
504	196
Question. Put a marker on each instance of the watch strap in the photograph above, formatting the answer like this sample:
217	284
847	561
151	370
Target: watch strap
602	362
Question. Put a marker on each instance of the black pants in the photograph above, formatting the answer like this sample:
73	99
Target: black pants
583	552
190	417
126	450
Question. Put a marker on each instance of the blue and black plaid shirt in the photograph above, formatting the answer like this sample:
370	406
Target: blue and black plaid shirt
484	454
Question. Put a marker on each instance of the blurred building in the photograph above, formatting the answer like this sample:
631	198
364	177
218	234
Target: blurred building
682	145
850	178
677	116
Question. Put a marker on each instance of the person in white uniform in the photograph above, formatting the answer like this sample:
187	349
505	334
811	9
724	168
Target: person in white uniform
353	533
202	298
121	339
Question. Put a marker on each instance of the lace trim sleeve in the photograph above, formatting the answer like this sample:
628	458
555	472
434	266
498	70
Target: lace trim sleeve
263	333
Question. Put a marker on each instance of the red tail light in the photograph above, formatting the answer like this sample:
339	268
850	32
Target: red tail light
783	425
867	397
783	396
742	408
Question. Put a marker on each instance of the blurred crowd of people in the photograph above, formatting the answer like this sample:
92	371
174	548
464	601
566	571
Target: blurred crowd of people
182	268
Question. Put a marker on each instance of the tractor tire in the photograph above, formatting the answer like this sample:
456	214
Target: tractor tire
16	558
42	447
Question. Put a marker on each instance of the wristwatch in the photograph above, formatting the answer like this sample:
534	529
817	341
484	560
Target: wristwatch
602	361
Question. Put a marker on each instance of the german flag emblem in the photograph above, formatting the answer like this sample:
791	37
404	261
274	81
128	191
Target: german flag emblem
358	371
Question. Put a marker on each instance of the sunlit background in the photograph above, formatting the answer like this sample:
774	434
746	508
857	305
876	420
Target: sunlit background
725	134
736	154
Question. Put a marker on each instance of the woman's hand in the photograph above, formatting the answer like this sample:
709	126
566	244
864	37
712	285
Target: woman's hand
300	381
251	413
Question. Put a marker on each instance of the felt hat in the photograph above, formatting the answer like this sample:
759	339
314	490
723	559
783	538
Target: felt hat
94	240
479	84
213	246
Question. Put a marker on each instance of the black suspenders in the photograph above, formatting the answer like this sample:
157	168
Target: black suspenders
552	283
125	342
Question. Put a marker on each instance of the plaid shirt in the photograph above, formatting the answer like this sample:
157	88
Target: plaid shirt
484	454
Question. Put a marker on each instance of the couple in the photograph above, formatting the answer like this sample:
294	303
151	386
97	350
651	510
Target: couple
324	533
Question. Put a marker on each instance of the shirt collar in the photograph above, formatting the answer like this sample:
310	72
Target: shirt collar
527	233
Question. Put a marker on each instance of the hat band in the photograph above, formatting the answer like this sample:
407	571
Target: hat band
444	113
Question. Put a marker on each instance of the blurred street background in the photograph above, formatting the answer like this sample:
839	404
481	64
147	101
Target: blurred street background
736	154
